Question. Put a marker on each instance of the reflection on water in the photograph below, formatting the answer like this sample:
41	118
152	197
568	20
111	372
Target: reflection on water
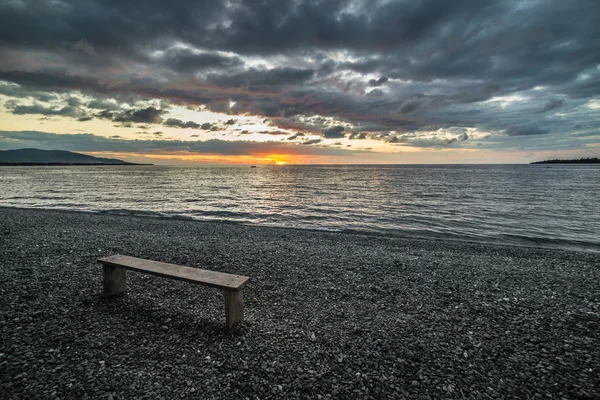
532	204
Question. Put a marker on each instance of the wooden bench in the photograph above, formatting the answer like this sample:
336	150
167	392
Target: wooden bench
115	269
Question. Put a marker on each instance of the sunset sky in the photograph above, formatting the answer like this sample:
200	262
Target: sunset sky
182	81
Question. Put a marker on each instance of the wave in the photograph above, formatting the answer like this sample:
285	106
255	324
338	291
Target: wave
501	239
276	221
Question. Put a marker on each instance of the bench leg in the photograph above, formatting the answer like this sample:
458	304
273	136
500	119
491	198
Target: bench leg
114	280
234	307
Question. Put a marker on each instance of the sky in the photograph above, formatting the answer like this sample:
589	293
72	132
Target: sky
302	82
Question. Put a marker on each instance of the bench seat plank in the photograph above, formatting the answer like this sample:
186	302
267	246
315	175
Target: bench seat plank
219	280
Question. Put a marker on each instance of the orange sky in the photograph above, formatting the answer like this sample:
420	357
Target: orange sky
270	144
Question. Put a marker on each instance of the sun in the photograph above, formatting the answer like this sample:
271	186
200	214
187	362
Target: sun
279	159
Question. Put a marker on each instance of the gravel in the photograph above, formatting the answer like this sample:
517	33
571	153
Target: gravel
327	315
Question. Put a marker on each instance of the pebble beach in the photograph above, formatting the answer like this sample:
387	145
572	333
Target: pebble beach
327	314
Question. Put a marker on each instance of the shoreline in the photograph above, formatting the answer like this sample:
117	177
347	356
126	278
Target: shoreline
338	314
527	242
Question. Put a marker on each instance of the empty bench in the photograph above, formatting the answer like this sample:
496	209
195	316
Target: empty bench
115	270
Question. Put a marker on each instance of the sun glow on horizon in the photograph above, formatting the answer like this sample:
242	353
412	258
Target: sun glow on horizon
189	158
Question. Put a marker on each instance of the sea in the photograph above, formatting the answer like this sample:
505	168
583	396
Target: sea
556	206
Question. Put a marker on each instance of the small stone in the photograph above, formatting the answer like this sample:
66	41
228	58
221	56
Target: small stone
415	383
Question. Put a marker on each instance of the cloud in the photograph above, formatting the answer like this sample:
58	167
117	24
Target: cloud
188	60
335	132
551	105
177	123
311	141
149	115
295	136
378	82
74	102
206	126
526	130
465	63
87	142
261	79
357	135
18	91
409	106
36	108
375	93
143	115
103	104
464	136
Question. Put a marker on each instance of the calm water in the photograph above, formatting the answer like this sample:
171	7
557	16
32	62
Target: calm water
525	204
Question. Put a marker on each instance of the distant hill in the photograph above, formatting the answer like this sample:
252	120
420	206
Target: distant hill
594	160
53	157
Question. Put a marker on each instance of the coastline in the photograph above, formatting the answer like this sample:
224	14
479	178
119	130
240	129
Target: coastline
502	240
351	315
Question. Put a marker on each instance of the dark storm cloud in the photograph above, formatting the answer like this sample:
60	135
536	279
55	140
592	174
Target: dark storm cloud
335	132
67	111
186	60
105	24
289	59
409	106
256	79
149	115
378	82
51	80
17	91
526	130
551	105
177	123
